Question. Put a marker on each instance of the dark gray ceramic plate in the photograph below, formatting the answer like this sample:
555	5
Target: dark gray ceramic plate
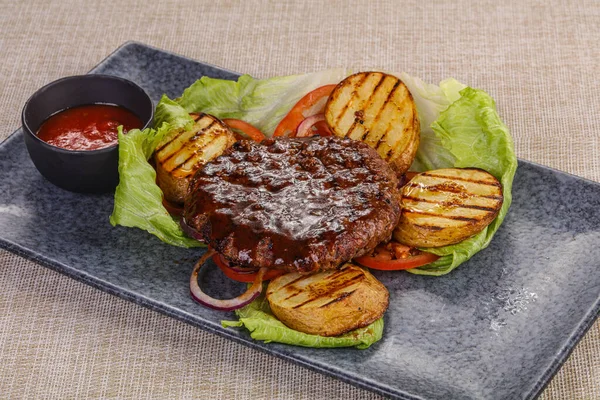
498	327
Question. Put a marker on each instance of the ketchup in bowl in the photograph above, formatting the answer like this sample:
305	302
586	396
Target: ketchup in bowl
88	127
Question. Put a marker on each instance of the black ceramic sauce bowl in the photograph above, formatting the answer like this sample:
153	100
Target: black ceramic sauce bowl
89	171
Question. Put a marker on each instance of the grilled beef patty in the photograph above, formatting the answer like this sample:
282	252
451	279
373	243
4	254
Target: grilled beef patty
299	204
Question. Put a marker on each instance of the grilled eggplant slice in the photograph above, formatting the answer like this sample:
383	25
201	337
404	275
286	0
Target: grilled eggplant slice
181	153
378	109
446	206
328	303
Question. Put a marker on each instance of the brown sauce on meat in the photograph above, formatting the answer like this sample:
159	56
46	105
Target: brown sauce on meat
287	203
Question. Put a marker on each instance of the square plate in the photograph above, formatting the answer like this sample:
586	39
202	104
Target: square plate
498	327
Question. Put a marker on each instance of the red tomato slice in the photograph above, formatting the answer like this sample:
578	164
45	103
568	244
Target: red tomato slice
306	107
243	277
395	256
245	128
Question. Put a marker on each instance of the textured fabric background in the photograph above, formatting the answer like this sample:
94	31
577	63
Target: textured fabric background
62	339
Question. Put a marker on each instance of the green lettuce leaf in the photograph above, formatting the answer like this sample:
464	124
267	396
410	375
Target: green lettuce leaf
138	200
262	324
171	113
472	135
260	102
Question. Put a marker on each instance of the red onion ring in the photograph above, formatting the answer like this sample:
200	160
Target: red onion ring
224	305
188	230
304	127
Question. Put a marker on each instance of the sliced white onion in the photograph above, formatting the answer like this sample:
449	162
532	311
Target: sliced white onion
224	305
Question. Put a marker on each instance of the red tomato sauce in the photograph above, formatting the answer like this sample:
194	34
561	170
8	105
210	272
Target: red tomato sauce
89	127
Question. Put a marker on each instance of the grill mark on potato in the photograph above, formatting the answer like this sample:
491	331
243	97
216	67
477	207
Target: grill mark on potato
378	115
433	228
432	214
187	142
199	116
368	102
458	178
344	284
187	145
158	150
331	278
385	103
337	274
356	86
294	281
451	189
450	203
405	131
339	298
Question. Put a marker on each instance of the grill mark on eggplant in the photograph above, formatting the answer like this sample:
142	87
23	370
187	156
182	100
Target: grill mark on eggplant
451	203
187	145
356	86
339	298
368	102
345	284
452	217
457	178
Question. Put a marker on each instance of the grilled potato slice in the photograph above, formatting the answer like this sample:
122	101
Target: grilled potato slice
181	153
447	206
377	109
328	303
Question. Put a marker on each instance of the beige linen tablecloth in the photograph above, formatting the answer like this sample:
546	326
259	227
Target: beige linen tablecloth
62	339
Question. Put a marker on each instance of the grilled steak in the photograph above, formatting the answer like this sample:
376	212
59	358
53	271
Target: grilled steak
299	204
